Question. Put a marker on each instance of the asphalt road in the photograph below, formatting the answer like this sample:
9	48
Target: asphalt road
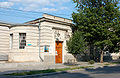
105	72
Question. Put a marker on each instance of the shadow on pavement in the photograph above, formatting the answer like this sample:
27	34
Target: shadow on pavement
54	75
73	74
69	75
105	70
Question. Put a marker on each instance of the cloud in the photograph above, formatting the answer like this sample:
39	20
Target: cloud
34	5
60	0
6	4
36	2
29	7
14	0
37	5
48	9
39	9
63	8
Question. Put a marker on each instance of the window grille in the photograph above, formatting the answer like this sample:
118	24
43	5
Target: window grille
22	40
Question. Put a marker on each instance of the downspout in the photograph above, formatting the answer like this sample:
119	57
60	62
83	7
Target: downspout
39	42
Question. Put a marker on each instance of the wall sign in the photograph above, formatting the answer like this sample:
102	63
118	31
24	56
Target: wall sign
29	44
46	48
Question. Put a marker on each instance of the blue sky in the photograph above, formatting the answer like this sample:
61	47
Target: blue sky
62	8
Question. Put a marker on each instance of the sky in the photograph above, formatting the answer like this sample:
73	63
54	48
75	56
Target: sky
20	11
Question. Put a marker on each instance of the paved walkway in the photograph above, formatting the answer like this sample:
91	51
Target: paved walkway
19	67
6	68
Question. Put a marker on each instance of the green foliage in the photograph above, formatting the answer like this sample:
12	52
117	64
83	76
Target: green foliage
91	62
92	3
98	20
76	44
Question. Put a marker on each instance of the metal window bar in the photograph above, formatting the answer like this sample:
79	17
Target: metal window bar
22	40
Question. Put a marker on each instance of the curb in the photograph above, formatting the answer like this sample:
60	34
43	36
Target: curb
42	74
37	75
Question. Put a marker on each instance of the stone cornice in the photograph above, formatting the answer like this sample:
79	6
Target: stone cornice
14	25
5	24
49	20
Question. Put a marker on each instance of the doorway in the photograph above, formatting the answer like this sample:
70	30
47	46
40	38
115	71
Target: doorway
58	56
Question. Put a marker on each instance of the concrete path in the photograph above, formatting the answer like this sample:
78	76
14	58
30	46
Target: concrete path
22	67
6	68
16	67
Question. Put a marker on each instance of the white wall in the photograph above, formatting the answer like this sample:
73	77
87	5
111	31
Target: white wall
30	53
47	38
4	40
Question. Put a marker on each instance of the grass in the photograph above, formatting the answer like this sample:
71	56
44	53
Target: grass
115	62
107	64
47	71
110	63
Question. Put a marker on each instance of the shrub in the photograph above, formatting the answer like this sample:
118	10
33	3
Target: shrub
91	62
77	44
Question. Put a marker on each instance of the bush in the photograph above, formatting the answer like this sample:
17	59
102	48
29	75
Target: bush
91	62
77	45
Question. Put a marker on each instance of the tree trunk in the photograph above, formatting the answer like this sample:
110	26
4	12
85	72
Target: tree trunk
101	57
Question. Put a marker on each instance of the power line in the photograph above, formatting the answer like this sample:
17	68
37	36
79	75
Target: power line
2	13
20	10
22	16
31	11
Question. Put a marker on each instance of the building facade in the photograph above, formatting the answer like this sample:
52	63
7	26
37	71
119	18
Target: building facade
40	40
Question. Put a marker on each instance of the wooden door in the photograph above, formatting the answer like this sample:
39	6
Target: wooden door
58	56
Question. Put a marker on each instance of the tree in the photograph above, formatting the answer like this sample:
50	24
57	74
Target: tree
98	20
77	45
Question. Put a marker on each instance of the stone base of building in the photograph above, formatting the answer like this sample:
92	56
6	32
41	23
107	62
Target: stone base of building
24	57
34	57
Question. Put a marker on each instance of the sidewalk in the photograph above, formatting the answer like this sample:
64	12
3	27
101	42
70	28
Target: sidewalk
22	67
6	68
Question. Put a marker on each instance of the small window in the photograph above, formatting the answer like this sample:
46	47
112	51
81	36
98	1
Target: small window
46	48
22	40
11	41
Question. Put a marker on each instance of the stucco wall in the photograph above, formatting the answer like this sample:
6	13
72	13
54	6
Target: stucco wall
47	32
47	37
4	40
30	53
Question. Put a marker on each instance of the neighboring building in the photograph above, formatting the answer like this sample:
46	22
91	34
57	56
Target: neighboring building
20	42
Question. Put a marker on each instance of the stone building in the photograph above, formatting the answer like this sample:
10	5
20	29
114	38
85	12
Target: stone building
40	40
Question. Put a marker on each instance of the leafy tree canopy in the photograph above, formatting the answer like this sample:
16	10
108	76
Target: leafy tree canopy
99	22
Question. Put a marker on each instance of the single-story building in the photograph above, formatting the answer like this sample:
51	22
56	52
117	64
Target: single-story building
40	40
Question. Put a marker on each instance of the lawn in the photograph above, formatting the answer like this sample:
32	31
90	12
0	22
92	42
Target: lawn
115	62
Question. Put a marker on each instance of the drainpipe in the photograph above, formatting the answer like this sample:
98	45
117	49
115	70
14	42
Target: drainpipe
39	42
